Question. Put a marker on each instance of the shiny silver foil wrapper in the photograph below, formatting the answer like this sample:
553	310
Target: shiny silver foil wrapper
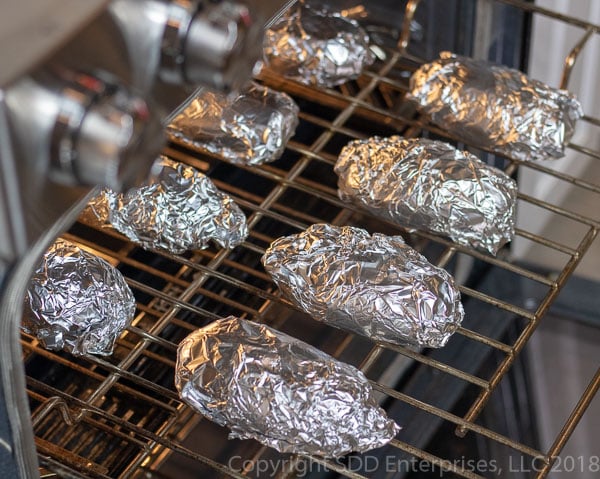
432	186
495	107
316	47
77	302
249	128
179	209
376	286
286	394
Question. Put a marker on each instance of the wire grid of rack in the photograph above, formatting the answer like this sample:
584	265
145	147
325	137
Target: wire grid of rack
121	417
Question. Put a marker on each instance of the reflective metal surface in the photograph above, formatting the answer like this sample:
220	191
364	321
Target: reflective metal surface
250	127
286	394
430	185
496	107
37	29
77	302
376	286
126	405
75	110
178	209
317	47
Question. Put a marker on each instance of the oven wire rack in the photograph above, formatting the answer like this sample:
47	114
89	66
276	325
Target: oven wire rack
121	417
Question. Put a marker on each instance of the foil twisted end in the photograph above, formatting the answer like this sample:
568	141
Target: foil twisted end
286	394
495	107
77	302
179	209
376	286
432	186
316	47
251	127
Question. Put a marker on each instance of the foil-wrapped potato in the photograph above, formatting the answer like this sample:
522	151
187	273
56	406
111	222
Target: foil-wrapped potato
495	107
286	394
317	47
178	209
376	286
250	127
432	186
77	302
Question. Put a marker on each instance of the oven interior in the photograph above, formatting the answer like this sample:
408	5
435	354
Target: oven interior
120	416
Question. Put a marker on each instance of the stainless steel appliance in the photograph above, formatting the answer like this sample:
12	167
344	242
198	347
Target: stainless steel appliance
121	417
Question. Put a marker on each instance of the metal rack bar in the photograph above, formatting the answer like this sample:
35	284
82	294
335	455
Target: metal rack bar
303	186
141	432
433	129
528	331
570	424
572	57
461	422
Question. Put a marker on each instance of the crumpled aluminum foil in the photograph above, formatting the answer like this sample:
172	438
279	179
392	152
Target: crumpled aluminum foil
77	302
249	128
376	286
179	209
286	394
495	107
316	47
432	186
